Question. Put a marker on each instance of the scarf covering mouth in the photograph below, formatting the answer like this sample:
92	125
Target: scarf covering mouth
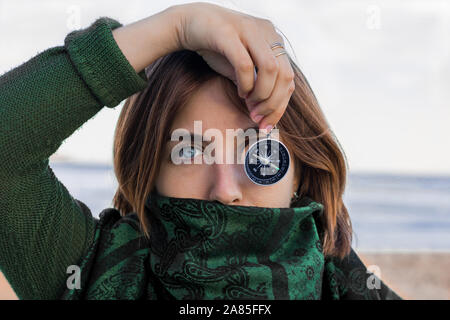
201	249
205	250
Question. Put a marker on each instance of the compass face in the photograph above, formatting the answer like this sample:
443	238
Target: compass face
267	161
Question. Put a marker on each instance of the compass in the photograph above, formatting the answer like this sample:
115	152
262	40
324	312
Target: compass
266	161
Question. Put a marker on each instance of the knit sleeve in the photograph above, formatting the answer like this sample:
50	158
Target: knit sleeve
43	229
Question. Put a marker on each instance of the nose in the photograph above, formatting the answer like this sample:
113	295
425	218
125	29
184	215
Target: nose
225	184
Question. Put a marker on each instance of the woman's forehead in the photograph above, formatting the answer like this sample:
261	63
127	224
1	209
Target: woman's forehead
211	106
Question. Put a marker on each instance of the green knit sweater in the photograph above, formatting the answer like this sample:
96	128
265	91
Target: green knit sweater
42	102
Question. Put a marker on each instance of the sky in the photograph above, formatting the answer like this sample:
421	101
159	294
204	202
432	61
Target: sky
380	70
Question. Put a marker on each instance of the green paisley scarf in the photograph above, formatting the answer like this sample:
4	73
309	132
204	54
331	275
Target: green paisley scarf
202	249
208	250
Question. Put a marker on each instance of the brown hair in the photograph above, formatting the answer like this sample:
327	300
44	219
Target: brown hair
146	119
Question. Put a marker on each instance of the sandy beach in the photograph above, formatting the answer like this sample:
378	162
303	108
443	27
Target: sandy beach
413	275
419	275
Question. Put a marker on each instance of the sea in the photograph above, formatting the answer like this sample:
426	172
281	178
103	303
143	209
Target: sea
388	212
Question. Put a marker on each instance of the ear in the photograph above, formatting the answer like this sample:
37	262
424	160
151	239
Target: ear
296	184
297	175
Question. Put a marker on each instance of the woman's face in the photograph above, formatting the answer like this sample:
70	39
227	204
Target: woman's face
225	182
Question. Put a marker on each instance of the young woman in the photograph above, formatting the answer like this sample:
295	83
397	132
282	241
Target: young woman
177	231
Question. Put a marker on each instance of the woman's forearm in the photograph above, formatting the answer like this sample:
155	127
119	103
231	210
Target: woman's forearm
42	102
144	41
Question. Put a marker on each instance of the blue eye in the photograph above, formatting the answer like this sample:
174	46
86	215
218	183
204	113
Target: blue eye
189	152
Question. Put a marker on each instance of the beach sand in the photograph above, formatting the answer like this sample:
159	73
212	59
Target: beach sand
6	292
412	275
418	275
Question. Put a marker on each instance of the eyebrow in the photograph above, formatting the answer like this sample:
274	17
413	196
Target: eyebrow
200	137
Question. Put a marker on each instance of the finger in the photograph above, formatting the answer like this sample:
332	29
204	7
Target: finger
237	54
270	111
267	66
284	79
270	120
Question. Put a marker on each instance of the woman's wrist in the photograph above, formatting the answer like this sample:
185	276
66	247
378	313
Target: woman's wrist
148	39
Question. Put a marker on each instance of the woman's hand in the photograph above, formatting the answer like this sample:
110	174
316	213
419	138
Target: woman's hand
233	43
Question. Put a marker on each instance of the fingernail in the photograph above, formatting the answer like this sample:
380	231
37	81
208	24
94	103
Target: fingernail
268	128
257	118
